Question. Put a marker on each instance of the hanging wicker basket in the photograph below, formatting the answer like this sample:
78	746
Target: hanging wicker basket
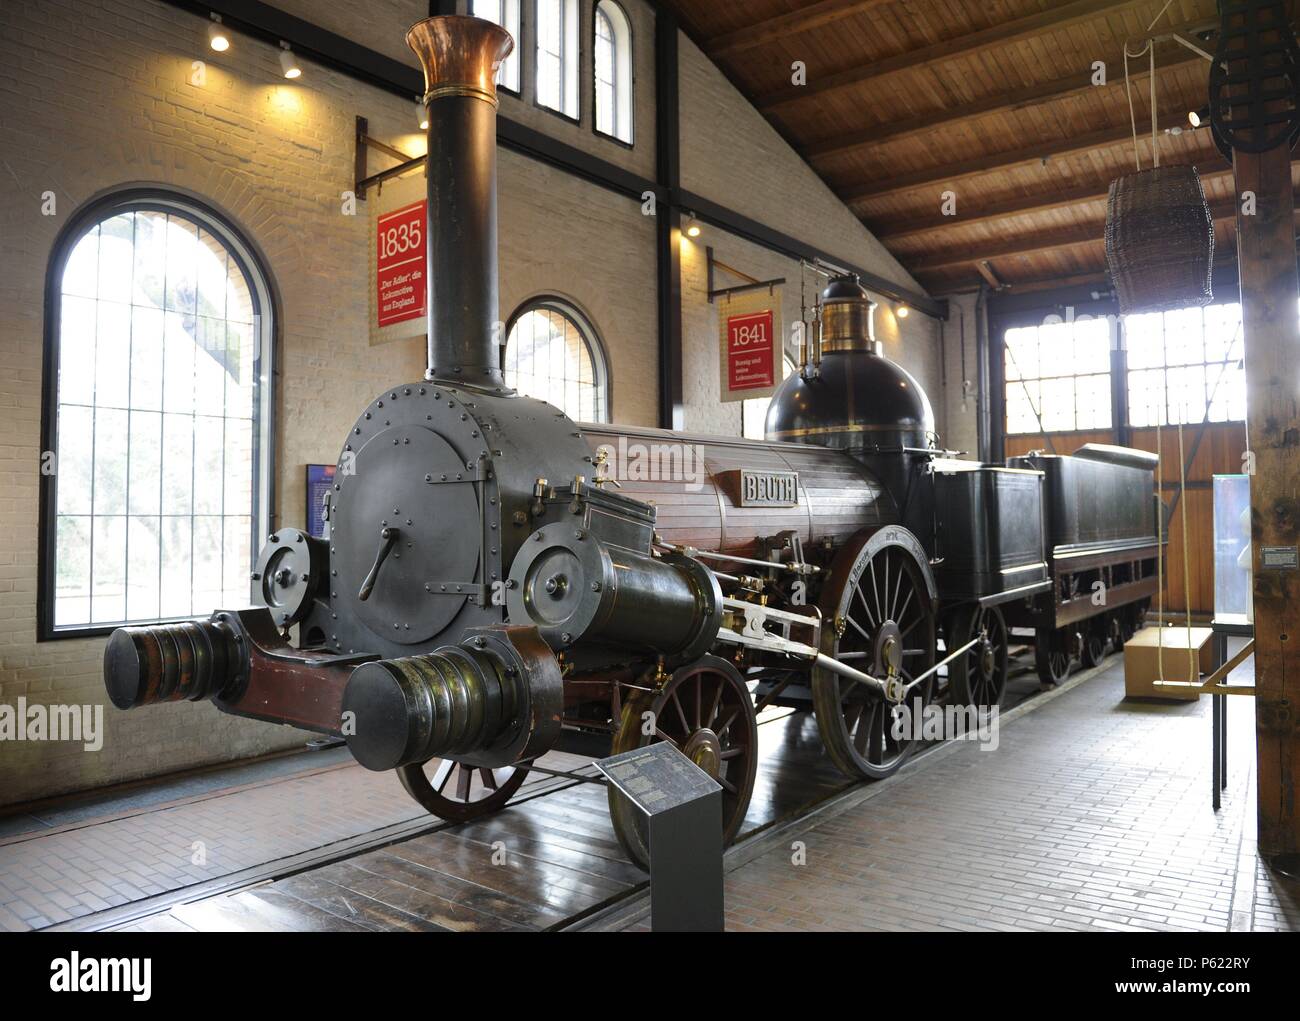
1159	240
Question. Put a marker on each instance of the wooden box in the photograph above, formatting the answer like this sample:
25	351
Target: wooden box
1142	661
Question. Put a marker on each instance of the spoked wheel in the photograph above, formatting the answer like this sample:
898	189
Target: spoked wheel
706	712
458	792
1052	655
979	678
1095	637
880	620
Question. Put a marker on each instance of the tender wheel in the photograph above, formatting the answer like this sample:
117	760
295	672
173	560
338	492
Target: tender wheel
879	619
1052	655
706	712
1093	650
1121	628
458	792
979	678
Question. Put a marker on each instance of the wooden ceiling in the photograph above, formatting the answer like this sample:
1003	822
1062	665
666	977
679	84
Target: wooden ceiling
991	100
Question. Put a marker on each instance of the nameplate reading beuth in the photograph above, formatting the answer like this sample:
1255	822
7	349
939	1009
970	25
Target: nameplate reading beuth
750	488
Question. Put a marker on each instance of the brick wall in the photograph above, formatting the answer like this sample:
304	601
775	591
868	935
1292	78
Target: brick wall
97	96
961	414
733	156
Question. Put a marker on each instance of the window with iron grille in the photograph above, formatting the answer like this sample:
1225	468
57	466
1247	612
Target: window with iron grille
1186	366
553	353
157	417
1058	377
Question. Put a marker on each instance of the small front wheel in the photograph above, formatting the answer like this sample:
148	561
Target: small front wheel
706	712
458	792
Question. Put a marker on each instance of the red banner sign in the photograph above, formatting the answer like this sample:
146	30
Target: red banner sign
751	364
401	258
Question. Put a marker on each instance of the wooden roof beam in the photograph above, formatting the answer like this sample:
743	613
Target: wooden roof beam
949	49
783	26
1043	241
990	278
1057	198
1059	89
998	162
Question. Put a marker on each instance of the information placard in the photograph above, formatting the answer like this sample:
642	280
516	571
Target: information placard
400	264
749	336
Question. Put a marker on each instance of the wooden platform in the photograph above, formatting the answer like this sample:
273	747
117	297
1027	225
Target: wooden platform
544	862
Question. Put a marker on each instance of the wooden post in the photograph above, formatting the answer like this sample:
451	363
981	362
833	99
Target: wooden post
1266	259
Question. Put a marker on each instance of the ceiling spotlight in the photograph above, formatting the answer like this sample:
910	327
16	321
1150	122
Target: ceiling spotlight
901	310
692	227
422	115
1198	117
288	64
217	37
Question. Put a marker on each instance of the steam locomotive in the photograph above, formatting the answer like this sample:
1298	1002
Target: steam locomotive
496	581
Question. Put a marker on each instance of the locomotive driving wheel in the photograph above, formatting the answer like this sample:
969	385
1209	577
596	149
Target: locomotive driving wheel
706	712
459	792
979	677
880	620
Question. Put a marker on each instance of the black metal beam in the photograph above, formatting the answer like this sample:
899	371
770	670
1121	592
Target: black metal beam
668	224
776	241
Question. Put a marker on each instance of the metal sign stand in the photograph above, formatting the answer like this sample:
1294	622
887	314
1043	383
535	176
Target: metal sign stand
683	809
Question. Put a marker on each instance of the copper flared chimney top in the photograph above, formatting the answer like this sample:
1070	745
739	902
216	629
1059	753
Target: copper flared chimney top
460	55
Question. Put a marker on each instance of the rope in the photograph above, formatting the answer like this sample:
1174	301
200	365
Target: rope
1160	553
1193	673
1150	49
1168	4
1155	149
1128	91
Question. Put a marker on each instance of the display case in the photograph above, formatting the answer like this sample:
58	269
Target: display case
1232	554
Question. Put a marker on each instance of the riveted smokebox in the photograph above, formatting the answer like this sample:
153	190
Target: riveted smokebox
460	57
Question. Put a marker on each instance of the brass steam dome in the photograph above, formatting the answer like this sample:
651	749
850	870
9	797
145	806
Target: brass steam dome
858	400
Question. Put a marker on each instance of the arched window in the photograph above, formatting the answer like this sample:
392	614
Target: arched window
612	68
753	412
557	56
157	420
506	14
552	352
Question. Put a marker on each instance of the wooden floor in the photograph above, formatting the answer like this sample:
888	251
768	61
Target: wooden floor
541	863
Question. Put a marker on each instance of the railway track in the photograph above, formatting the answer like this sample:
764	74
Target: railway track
548	861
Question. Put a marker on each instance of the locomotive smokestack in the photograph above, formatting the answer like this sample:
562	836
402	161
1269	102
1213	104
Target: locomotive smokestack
460	57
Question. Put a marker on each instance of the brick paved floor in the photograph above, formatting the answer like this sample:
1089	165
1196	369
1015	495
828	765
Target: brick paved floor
1094	813
91	865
